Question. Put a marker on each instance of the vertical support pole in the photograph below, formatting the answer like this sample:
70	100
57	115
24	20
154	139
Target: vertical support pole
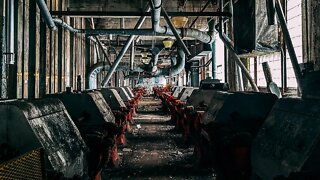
12	32
267	72
2	50
288	41
72	38
116	81
211	24
43	59
59	63
313	20
195	74
132	55
214	60
32	50
60	53
255	70
87	59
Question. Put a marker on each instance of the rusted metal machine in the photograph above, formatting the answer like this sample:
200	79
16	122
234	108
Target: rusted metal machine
139	92
196	104
96	123
193	111
288	144
134	100
121	112
176	91
174	102
135	94
27	128
229	125
127	100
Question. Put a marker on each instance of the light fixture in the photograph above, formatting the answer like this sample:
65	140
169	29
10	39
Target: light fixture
145	60
144	54
179	21
167	42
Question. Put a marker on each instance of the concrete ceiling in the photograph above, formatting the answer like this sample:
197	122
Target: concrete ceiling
124	21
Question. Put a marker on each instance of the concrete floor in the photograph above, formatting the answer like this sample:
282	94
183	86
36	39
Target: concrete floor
154	150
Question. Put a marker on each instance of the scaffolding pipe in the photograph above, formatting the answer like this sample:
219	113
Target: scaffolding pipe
176	34
229	46
122	52
291	51
46	15
132	55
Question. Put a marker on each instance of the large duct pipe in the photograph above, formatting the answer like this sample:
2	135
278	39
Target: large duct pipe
46	14
211	24
184	32
123	51
66	26
176	69
10	32
103	66
157	29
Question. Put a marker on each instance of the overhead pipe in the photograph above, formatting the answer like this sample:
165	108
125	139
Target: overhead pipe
10	32
119	14
66	26
184	32
102	66
46	14
123	51
99	43
176	34
227	43
211	24
157	29
176	69
204	7
287	38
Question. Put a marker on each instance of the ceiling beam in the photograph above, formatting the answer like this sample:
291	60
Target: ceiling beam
134	14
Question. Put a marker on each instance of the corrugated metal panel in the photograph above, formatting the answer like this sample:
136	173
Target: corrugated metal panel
294	23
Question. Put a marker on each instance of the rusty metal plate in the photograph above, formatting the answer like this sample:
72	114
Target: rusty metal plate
112	98
44	123
122	92
239	107
129	91
86	108
176	91
185	93
289	140
200	98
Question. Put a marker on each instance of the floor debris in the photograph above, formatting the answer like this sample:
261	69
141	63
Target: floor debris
154	150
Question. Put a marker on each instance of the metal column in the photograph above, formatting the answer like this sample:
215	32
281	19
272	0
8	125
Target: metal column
12	65
60	58
195	74
43	59
87	59
2	50
32	50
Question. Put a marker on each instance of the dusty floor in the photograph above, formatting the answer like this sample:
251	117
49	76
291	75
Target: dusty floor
154	149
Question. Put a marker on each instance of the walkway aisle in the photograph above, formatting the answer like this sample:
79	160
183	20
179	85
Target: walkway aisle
154	149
